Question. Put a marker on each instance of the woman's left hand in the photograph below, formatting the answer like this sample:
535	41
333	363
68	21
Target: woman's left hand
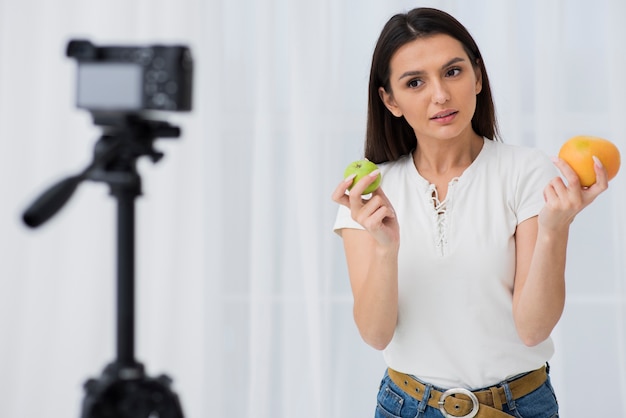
565	201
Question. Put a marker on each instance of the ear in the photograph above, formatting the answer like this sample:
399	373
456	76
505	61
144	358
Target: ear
479	78
389	102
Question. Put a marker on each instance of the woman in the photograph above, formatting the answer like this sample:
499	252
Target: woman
457	261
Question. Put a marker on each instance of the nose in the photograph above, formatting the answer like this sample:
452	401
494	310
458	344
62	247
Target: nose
440	93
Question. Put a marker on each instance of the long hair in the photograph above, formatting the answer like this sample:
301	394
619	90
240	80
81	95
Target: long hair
389	137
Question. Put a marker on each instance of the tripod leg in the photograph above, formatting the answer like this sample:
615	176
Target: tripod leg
126	277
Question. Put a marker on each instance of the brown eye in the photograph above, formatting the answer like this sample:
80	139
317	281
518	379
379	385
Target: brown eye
453	72
414	83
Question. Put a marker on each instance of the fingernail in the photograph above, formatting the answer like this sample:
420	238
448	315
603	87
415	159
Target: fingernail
597	161
375	173
350	177
554	159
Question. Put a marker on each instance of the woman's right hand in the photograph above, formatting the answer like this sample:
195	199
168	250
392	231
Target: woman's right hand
375	214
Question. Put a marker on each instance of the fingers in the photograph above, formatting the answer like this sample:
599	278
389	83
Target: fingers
339	194
353	198
374	212
363	183
364	208
602	177
565	201
549	193
567	171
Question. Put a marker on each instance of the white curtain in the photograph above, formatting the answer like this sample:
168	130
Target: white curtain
242	292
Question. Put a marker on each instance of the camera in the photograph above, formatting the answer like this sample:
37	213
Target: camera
132	78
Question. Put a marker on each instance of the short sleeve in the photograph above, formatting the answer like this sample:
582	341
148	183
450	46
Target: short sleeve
344	220
536	171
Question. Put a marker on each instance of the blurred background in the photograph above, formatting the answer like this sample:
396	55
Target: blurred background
242	292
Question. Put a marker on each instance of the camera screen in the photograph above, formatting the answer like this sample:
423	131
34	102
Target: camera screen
109	86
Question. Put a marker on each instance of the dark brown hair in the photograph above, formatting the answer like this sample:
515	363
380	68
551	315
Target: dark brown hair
389	137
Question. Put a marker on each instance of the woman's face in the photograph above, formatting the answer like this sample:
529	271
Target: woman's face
434	86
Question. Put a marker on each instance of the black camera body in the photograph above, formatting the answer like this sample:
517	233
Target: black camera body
128	79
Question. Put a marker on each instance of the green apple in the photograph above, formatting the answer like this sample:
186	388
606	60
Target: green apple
362	168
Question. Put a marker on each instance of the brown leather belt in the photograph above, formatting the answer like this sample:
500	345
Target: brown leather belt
463	403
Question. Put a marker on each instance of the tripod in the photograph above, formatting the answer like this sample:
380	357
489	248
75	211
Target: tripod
123	390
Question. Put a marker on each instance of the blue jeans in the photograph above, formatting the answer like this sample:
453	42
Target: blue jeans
393	402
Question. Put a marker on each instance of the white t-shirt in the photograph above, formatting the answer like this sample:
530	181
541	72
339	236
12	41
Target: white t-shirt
456	267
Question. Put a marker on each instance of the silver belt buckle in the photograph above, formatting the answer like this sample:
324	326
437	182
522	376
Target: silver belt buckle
460	391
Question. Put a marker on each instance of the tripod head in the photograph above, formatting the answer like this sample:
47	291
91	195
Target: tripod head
126	137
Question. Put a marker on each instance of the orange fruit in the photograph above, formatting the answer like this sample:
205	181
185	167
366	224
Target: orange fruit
578	151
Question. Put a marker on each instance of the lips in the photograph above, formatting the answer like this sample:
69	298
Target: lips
444	114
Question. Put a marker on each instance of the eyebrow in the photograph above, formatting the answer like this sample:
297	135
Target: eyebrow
418	72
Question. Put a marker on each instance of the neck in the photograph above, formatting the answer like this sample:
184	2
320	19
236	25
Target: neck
441	157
